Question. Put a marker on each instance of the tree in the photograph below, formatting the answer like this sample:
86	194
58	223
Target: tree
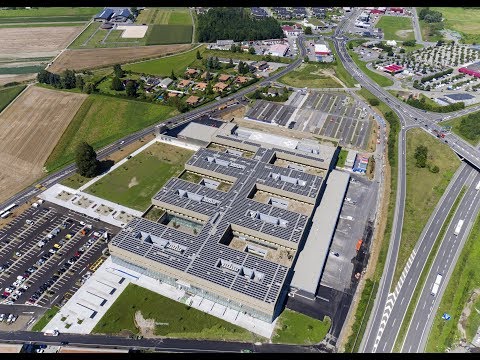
131	88
233	48
240	67
421	153
208	89
79	82
117	69
86	160
306	59
172	76
409	43
116	84
208	76
199	57
374	102
308	30
231	64
251	50
89	88
434	169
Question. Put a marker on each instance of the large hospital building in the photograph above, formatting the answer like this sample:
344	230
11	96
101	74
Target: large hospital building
232	227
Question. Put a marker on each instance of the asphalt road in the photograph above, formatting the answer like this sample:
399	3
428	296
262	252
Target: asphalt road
404	291
443	264
163	345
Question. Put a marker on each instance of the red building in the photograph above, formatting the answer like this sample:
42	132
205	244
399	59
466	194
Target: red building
393	69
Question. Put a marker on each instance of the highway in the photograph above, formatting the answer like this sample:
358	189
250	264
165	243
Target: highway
388	313
443	264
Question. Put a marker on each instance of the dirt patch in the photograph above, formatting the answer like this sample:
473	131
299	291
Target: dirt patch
36	41
403	33
29	130
462	322
145	326
97	58
133	182
8	78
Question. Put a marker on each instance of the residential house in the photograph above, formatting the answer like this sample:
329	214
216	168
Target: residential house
241	80
191	73
200	86
259	13
261	65
182	84
193	100
224	77
165	83
220	87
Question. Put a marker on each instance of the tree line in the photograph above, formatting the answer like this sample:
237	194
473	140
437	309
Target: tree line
235	24
470	126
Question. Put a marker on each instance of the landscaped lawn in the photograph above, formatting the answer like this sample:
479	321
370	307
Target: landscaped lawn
296	328
7	95
466	21
164	66
101	120
396	27
134	183
183	321
311	76
45	319
424	190
455	124
342	157
379	79
464	280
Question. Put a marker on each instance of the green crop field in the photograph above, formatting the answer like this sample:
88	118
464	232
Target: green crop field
164	66
296	328
102	120
183	321
51	11
84	36
134	183
311	76
29	69
424	190
7	95
396	28
180	18
466	21
45	19
165	16
169	34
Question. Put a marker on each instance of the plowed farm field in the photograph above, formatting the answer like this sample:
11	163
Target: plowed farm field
29	130
35	41
97	58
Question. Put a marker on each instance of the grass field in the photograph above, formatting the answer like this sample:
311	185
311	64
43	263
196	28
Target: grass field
45	319
8	94
311	76
463	281
84	36
342	157
165	16
466	21
396	28
42	24
296	328
29	69
102	120
340	70
164	66
379	79
169	34
134	183
455	124
183	321
50	11
423	276
424	190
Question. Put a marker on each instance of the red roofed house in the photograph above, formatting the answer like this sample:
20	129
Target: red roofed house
241	79
192	100
220	86
396	10
200	86
291	30
191	72
183	84
224	77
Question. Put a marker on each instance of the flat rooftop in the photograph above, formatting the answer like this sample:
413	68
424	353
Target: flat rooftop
203	255
198	131
311	260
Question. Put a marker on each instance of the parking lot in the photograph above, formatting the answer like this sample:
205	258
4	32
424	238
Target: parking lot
337	116
46	251
339	269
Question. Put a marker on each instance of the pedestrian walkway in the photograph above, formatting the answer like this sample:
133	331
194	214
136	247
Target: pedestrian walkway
90	205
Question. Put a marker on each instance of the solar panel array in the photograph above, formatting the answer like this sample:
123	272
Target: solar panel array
203	255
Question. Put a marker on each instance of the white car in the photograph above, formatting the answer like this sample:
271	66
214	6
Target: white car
25	287
83	223
18	254
15	297
2	317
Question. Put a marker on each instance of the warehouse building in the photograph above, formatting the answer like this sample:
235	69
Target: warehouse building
223	245
312	258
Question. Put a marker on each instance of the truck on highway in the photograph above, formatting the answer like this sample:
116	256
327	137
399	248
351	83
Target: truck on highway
436	284
459	227
478	186
51	333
